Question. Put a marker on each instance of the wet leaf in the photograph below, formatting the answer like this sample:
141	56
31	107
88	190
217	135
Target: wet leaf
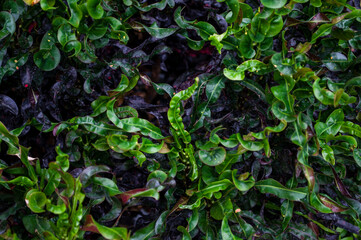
91	225
276	188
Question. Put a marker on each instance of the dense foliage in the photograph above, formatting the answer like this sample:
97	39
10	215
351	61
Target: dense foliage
180	119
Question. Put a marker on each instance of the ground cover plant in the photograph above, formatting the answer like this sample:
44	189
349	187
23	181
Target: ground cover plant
180	119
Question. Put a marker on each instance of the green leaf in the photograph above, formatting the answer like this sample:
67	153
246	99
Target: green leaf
226	231
212	157
21	181
186	235
90	171
108	185
35	224
287	213
8	24
282	93
47	4
141	192
149	147
216	187
100	105
133	124
351	128
36	200
250	145
234	6
159	5
216	41
95	9
274	3
317	204
62	159
46	59
332	126
246	46
323	30
272	186
276	26
298	137
144	233
158	32
76	13
116	233
282	65
121	143
357	156
205	29
126	111
241	182
174	112
65	34
253	66
159	175
316	3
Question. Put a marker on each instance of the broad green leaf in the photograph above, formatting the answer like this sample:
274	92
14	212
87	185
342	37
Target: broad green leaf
8	24
186	235
133	124
100	105
276	26
226	231
272	186
65	34
287	213
205	29
116	233
282	93
88	172
158	32
108	185
317	204
216	187
253	66
56	209
159	175
357	156
21	181
246	46
35	224
282	65
351	128
298	137
76	13
160	224
36	200
212	157
234	6
323	30
126	111
250	145
149	147
95	9
121	143
332	126
144	233
46	59
47	4
141	192
274	3
243	182
158	5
